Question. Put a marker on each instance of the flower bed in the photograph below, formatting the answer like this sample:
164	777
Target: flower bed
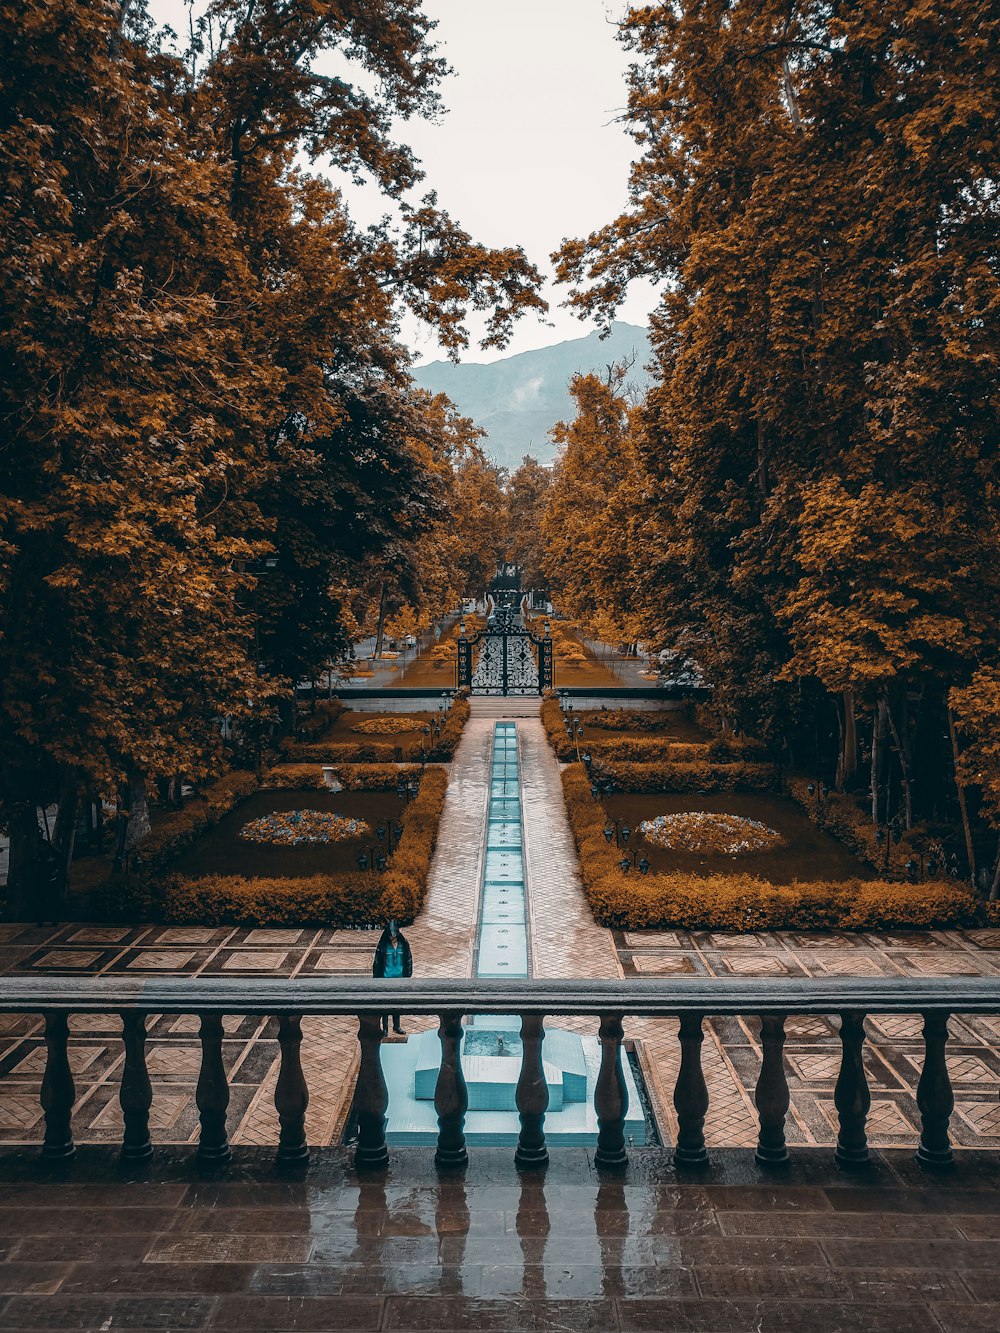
351	898
703	831
743	902
293	828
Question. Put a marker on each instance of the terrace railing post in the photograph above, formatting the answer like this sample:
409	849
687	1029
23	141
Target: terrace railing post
532	1095
58	1092
611	1096
934	1095
771	1097
372	1096
691	1095
291	1095
212	1094
136	1091
451	1096
851	1095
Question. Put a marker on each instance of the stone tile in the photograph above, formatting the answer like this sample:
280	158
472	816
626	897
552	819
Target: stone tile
253	960
662	964
339	960
173	1249
306	1313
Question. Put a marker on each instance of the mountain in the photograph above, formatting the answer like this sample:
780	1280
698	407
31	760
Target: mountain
518	400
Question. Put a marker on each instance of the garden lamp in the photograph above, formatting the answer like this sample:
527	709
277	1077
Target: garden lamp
380	861
362	861
644	866
380	832
609	832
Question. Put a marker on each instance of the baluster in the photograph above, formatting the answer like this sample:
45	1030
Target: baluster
851	1096
691	1096
291	1096
934	1095
135	1092
372	1096
212	1094
532	1095
451	1096
771	1096
58	1092
611	1096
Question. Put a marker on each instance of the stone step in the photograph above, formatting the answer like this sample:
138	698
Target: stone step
501	706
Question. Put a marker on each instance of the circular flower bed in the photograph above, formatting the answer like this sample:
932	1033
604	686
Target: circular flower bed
384	726
700	831
294	828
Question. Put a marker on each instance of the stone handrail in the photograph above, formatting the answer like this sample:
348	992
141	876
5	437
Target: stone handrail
689	999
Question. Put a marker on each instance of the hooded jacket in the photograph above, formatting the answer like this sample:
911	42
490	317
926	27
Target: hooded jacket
378	966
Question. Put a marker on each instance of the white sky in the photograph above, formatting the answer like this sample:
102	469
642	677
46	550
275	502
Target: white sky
529	151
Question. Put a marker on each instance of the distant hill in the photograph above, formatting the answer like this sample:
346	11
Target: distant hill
519	399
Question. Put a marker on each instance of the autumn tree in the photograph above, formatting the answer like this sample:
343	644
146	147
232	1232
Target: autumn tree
815	190
526	496
201	378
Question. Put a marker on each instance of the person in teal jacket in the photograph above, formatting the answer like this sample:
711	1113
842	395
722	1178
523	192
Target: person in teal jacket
393	958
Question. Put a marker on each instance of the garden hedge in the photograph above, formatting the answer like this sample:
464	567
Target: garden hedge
699	776
352	777
609	751
353	899
437	751
344	900
742	902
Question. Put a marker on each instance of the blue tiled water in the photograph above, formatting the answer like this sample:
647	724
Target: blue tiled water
491	1047
502	949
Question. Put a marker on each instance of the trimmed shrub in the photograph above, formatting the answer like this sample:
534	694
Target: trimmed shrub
438	751
342	752
294	777
742	902
700	776
625	719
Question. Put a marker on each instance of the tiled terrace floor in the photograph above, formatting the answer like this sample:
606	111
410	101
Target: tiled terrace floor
724	1251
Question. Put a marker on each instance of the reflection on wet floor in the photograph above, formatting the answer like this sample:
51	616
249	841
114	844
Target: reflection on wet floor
727	1248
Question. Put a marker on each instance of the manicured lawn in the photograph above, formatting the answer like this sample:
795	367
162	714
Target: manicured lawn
221	851
808	854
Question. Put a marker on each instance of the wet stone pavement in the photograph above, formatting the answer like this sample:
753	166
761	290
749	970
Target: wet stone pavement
725	1249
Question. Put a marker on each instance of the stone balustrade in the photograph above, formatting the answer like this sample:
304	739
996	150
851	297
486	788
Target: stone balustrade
691	1000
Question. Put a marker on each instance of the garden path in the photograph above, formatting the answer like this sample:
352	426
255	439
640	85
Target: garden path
565	942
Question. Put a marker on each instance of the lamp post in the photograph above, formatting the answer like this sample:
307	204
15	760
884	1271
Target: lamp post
617	831
820	790
636	857
574	730
406	790
373	859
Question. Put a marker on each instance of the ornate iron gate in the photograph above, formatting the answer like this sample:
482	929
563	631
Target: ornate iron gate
511	660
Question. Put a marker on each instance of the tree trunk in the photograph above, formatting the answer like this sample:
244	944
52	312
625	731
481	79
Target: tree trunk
849	742
64	836
380	628
995	886
902	742
960	788
22	896
879	731
138	809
